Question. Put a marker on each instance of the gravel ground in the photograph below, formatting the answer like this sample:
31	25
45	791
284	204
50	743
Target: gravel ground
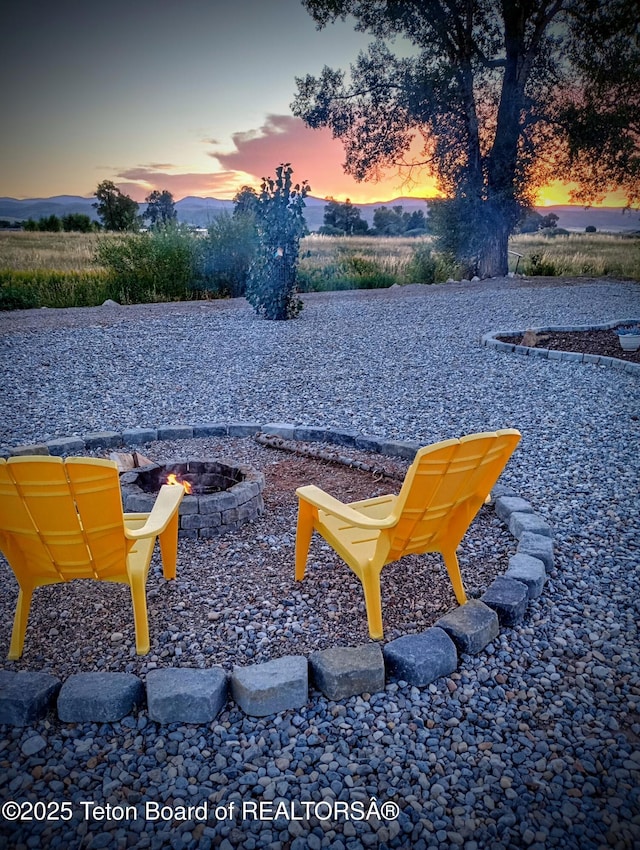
534	743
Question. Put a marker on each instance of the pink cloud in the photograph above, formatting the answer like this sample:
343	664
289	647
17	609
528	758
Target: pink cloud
138	182
314	154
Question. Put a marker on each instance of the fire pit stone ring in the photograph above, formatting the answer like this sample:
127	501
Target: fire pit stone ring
223	494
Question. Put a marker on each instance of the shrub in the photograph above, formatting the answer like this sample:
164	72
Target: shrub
271	285
539	264
225	256
590	228
77	222
350	271
422	266
158	266
21	290
17	298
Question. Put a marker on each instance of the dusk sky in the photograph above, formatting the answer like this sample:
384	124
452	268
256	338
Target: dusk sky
185	95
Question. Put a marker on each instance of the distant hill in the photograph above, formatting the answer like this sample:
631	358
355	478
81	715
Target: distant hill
610	219
200	211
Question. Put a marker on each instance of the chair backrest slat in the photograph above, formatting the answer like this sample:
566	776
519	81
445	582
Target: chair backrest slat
64	517
19	538
446	486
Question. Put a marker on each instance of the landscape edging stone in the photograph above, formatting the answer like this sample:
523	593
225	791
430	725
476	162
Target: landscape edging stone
490	340
530	546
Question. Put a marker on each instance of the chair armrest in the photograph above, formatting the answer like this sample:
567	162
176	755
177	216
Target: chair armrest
319	499
164	508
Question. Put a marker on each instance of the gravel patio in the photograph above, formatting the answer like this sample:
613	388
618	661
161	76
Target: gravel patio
533	743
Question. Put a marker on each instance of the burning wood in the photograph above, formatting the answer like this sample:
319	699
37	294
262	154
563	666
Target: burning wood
173	480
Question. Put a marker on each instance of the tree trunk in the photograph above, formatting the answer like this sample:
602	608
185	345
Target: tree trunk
494	254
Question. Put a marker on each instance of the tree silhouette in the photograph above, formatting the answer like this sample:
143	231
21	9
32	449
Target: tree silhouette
342	218
116	211
504	96
161	209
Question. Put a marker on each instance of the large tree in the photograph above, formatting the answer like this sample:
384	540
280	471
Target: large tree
342	218
161	209
504	96
116	210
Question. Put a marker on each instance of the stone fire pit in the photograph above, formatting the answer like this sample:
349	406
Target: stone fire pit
224	494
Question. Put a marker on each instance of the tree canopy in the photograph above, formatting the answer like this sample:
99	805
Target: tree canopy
116	210
342	219
394	221
161	208
501	96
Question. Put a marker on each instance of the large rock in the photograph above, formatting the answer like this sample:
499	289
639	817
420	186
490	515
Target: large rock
25	697
345	671
138	436
421	659
505	505
471	626
99	697
175	432
186	695
284	430
263	689
102	439
65	446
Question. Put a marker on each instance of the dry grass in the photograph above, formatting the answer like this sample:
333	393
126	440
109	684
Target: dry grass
65	252
574	255
597	254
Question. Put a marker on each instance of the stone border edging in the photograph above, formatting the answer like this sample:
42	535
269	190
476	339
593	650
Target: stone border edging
196	695
489	340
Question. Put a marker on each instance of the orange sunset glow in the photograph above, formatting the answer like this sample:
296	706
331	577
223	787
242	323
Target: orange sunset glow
191	100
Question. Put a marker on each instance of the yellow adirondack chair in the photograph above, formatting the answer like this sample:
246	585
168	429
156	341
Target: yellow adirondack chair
62	520
442	492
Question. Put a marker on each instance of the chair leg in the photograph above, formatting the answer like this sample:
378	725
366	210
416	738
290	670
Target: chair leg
169	548
453	568
137	583
304	533
371	585
23	606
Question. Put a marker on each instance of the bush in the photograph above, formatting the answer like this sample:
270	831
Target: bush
554	231
590	228
539	264
17	298
158	266
271	285
225	256
422	266
350	271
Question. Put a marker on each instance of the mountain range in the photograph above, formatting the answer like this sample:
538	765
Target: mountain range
200	211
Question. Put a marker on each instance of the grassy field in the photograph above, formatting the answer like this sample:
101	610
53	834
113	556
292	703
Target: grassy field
592	254
61	252
58	269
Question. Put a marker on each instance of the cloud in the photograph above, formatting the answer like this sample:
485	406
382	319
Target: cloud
314	154
140	180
